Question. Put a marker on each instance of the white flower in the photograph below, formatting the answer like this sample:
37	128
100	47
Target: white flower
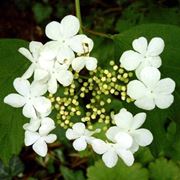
55	72
126	123
40	139
150	90
29	97
63	35
80	62
80	135
33	55
144	55
111	151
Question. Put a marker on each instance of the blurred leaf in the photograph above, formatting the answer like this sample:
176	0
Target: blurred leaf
69	174
41	12
3	172
12	65
120	171
15	166
162	169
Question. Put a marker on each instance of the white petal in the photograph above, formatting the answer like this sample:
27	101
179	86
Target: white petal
35	48
14	100
99	146
134	148
80	144
136	89
138	120
47	125
25	52
65	56
52	85
81	44
112	132
38	88
140	45
53	30
42	104
124	140
146	103
91	63
29	111
31	138
40	75
164	101
40	147
49	51
79	128
71	134
33	125
165	86
155	61
150	76
143	137
130	60
155	47
123	119
65	77
78	63
70	26
110	158
50	138
22	86
126	156
29	72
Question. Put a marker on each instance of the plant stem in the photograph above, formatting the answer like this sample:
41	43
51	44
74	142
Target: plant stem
78	14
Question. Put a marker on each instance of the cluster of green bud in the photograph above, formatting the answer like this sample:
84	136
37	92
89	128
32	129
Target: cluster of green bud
95	92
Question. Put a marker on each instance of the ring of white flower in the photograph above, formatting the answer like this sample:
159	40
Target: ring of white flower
54	63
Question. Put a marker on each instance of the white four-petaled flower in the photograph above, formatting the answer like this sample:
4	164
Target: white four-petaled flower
29	97
144	55
126	123
80	135
40	139
149	91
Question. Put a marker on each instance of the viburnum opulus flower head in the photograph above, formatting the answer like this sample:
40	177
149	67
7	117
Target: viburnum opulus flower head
149	91
80	135
29	97
126	123
143	55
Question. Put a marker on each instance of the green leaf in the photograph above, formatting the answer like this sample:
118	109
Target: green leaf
157	119
120	171
69	174
162	169
11	120
15	166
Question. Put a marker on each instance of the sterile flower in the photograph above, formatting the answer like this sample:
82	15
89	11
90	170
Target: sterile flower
40	139
111	151
143	55
33	56
149	90
29	97
63	35
80	135
80	62
126	123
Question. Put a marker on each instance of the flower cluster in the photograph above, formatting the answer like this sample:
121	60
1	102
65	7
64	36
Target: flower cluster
60	62
148	90
51	64
125	138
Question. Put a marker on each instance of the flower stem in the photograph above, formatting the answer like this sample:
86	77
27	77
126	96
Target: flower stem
78	14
